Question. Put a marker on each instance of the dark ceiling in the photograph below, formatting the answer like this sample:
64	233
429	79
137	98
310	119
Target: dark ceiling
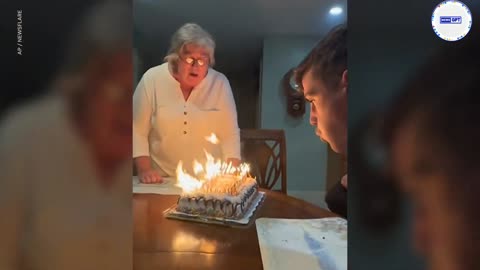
239	27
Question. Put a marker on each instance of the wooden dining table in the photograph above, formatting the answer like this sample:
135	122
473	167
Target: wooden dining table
162	243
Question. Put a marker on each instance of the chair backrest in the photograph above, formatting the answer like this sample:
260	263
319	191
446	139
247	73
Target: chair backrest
266	152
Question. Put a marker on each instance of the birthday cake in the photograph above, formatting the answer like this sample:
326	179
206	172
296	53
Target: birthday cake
225	196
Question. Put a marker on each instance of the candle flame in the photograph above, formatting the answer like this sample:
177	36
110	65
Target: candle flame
211	170
187	182
212	138
197	167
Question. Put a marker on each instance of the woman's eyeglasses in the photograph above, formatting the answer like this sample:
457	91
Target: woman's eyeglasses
191	61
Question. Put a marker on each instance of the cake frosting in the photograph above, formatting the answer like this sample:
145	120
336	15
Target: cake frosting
225	196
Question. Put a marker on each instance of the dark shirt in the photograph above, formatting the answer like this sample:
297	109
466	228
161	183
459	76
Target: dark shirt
336	199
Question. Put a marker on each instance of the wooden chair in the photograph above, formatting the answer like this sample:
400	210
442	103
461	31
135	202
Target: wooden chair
265	151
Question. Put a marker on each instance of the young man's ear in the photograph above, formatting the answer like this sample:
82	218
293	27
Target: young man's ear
344	80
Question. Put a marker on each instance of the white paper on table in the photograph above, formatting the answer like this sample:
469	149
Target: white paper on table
313	244
167	187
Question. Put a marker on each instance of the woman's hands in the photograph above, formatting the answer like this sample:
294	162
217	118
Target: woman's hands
150	176
146	174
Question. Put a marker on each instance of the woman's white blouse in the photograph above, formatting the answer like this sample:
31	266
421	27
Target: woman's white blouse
169	129
54	214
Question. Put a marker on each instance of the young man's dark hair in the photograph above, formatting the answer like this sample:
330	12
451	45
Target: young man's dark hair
328	59
323	77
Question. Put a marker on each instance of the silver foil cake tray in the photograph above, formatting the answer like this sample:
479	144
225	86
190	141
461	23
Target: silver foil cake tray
172	213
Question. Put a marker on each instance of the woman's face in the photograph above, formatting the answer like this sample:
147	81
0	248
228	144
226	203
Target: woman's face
109	107
437	224
192	65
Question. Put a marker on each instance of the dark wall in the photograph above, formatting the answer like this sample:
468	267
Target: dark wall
46	28
387	43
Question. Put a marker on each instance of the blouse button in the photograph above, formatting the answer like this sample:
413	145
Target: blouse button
184	132
185	113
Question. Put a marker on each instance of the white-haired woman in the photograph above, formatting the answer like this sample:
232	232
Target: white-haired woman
179	103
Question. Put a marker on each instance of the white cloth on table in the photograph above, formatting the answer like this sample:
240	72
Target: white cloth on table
314	244
165	188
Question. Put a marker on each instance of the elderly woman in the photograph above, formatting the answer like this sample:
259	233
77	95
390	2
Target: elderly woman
178	104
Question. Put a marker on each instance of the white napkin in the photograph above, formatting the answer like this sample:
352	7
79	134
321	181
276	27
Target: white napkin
314	244
167	187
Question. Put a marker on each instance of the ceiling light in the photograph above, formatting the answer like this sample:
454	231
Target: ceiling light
336	10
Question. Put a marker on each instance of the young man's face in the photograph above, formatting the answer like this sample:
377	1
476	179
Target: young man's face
328	110
436	223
